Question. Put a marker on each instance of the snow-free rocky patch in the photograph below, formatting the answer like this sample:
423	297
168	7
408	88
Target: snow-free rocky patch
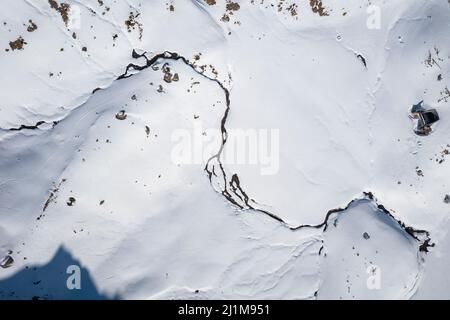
355	205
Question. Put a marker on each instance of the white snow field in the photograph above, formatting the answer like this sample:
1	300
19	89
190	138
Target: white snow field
343	200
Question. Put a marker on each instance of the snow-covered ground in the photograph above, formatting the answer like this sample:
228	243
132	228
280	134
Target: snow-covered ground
212	149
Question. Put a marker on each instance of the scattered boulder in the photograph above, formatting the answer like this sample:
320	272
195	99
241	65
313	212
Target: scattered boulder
71	201
17	44
424	118
6	262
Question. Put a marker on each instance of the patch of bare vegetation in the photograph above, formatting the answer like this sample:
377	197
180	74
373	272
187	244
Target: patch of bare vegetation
233	6
169	77
52	197
433	58
102	4
441	156
121	115
445	95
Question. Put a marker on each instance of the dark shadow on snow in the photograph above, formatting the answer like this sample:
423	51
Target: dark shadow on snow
49	282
